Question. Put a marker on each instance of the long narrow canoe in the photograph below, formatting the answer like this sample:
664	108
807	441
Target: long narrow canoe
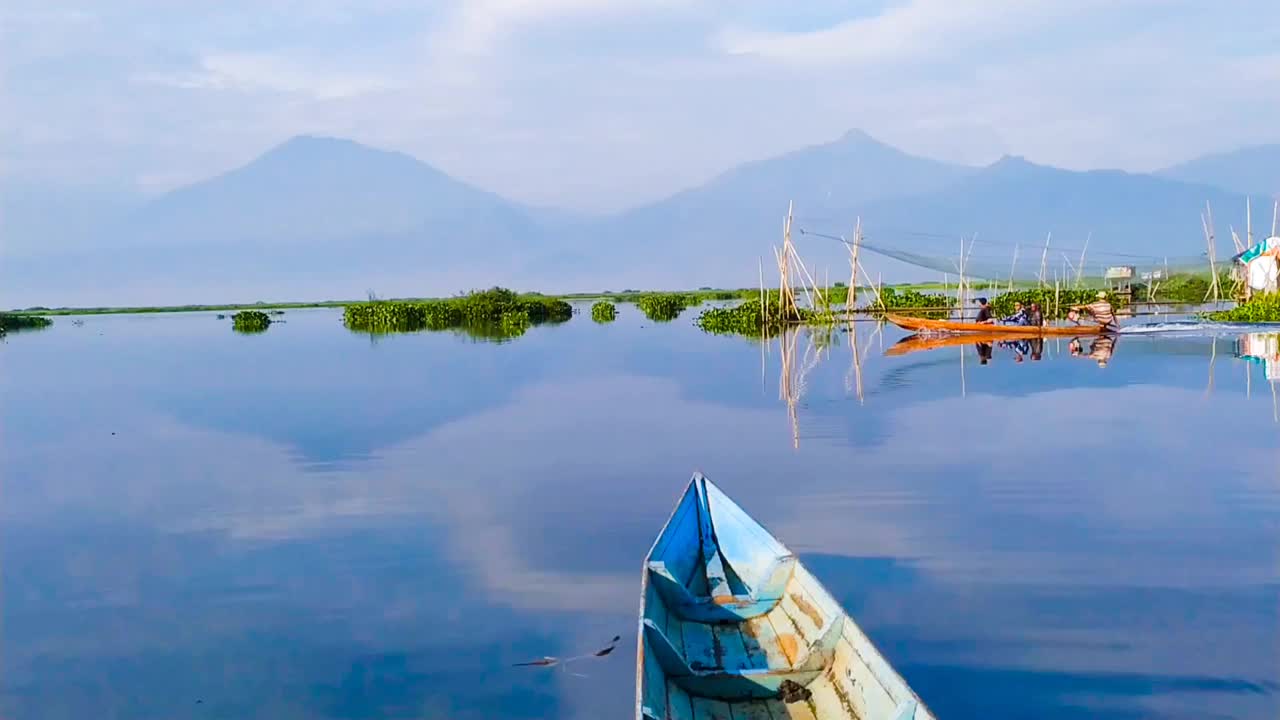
922	324
733	627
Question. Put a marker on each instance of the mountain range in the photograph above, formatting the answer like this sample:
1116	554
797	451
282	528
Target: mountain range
319	218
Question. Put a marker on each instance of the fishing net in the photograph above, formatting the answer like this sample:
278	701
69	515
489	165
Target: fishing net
1014	262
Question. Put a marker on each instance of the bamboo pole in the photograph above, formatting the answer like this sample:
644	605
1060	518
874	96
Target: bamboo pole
1080	269
1057	305
1013	266
1213	290
1235	239
1044	257
1275	215
1248	220
812	282
853	267
788	298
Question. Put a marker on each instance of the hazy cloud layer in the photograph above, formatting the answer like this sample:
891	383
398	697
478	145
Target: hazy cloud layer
602	104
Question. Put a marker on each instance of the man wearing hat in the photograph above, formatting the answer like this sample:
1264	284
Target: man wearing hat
1101	311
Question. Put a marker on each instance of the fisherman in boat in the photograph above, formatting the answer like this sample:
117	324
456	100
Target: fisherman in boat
1019	316
1034	317
984	312
1100	309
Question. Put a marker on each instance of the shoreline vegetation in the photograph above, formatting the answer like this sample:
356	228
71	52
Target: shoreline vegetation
1177	289
13	322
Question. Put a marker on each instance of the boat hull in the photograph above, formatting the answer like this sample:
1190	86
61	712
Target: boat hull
925	325
796	654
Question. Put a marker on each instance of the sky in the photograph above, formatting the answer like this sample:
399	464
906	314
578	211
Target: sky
596	105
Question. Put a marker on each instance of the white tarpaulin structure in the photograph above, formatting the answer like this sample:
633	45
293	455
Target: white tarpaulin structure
1263	270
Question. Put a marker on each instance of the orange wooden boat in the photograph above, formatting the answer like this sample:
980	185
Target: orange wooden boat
950	326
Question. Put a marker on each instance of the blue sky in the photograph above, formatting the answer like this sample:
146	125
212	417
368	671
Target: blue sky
599	104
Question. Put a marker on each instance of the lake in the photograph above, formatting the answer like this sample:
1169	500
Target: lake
312	523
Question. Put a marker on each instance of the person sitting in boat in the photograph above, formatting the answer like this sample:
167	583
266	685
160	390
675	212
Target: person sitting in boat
1034	316
984	312
1019	316
1100	309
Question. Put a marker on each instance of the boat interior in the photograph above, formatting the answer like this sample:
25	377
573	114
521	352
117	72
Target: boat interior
733	626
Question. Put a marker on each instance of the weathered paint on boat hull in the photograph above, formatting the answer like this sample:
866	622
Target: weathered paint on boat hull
801	658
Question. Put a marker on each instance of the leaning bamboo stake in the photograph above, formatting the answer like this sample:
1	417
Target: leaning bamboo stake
1013	266
812	283
1275	215
1080	269
1235	239
1044	257
1213	290
1057	291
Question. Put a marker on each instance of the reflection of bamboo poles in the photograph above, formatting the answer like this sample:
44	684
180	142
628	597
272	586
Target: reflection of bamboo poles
856	366
1213	357
786	386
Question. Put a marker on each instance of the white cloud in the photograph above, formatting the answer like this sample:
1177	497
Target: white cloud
258	72
917	29
602	104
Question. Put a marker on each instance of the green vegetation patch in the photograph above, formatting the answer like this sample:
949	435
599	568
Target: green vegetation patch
604	311
936	304
747	318
10	322
1259	309
493	313
250	321
664	307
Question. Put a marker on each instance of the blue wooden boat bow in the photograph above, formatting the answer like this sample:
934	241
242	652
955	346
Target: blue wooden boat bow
733	627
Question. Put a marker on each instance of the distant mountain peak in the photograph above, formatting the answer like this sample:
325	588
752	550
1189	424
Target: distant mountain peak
857	135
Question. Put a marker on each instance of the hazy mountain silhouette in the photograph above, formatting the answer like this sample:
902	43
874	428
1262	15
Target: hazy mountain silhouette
329	218
1254	170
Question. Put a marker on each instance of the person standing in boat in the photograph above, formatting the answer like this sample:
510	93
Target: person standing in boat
984	312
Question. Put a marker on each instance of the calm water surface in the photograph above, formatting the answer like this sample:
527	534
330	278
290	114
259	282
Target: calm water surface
310	524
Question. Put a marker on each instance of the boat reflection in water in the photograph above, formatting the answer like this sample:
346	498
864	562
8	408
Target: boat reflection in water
1029	348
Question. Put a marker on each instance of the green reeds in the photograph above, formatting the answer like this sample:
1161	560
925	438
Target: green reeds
250	321
497	308
747	319
664	307
1261	308
604	312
